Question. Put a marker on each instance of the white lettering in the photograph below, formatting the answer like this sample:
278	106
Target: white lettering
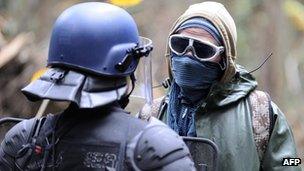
285	162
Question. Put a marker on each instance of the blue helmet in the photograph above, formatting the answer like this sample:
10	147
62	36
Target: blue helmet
98	38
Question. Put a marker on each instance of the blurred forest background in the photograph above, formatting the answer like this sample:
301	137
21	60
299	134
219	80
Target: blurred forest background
263	26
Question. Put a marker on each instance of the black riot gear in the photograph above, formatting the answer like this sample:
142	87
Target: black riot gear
109	139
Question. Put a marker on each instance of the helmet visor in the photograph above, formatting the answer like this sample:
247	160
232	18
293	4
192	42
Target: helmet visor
142	93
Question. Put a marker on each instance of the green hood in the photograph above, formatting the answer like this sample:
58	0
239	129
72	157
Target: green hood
222	94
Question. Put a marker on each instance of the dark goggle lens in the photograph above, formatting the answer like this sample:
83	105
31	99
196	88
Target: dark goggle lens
203	50
179	44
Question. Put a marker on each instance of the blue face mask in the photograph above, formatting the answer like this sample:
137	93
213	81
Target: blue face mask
193	77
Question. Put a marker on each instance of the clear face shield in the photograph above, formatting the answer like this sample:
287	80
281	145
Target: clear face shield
142	96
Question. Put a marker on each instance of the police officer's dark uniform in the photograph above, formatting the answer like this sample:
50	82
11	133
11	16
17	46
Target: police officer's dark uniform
93	48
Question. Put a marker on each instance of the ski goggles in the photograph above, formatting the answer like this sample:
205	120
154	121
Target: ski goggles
202	50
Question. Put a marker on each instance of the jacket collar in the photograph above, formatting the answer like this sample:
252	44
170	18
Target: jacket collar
223	94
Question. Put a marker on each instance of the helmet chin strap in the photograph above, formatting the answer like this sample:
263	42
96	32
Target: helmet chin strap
124	101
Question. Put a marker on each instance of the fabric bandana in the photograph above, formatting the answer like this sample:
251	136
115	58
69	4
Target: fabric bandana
199	22
193	77
191	85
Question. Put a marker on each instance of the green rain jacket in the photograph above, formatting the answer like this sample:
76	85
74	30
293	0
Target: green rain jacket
226	119
226	115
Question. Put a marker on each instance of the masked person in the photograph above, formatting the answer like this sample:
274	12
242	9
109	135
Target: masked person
94	48
212	97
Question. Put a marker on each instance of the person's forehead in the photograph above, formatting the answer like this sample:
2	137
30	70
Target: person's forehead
199	34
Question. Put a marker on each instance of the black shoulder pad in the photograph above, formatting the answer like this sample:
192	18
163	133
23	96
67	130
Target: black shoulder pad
157	147
16	137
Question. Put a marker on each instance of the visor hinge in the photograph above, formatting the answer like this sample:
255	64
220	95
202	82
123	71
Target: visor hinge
133	54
